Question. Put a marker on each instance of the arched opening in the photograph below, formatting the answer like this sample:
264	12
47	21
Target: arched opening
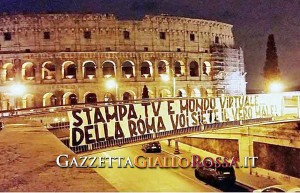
72	99
194	69
181	93
128	69
151	94
4	102
109	69
89	69
165	93
9	71
50	99
69	70
108	97
163	67
53	100
90	98
28	101
146	69
127	96
179	68
18	103
69	99
206	68
217	40
28	71
48	71
195	93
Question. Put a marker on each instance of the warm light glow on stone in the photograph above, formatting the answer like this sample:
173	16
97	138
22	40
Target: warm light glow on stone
165	77
17	89
276	87
111	83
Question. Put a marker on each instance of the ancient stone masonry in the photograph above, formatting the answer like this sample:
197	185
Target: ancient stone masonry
68	58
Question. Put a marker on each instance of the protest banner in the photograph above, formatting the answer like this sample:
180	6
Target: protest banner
112	122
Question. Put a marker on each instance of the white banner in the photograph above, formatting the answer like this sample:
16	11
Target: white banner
104	123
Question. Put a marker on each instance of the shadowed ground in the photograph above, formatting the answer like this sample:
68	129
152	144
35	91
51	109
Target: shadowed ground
27	162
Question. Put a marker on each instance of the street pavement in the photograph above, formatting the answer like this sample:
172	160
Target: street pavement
27	162
150	179
248	181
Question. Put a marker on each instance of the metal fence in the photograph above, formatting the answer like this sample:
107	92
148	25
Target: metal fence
64	108
59	129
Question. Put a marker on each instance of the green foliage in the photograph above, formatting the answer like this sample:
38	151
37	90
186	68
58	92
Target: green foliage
271	68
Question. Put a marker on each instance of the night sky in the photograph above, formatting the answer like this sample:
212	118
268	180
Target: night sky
253	21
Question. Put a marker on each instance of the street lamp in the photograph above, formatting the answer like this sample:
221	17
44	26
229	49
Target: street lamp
17	90
276	87
166	78
111	83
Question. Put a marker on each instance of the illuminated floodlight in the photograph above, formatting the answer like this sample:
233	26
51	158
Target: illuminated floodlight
17	89
276	87
111	83
165	77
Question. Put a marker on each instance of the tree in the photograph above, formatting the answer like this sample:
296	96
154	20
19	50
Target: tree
271	68
145	94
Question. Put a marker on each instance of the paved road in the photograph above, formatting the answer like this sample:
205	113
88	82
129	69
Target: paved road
150	179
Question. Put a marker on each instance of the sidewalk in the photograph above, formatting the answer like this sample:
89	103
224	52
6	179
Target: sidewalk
242	177
28	162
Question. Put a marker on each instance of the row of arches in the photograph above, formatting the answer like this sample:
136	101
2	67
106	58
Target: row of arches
70	98
69	69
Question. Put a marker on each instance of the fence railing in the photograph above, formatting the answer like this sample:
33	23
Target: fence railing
64	108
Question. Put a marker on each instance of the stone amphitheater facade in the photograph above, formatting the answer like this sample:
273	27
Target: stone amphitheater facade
70	58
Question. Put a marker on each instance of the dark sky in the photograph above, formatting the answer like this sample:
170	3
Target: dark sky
253	20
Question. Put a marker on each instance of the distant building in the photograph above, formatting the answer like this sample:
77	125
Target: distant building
68	58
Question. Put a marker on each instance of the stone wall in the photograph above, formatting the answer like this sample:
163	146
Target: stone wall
277	158
96	32
50	53
224	147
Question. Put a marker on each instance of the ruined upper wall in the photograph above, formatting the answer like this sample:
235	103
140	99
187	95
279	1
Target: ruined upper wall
103	32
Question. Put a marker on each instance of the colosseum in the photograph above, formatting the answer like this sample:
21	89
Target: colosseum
63	59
